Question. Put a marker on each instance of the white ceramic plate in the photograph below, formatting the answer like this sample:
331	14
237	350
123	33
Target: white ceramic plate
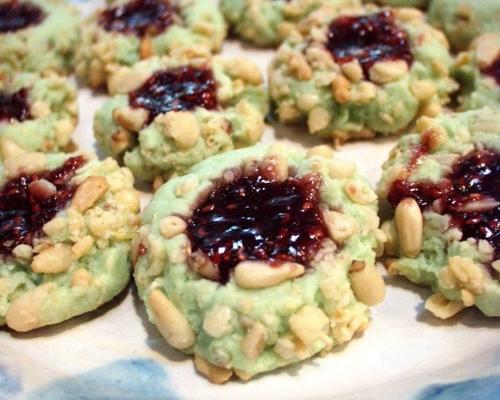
115	353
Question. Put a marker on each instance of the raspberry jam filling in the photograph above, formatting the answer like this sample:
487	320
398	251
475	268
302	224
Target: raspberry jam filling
16	15
140	17
255	218
176	89
470	194
368	39
14	107
30	201
493	70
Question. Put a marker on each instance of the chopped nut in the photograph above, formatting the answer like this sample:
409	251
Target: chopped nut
391	243
121	140
23	251
423	90
63	130
340	169
254	341
201	264
341	87
54	226
409	226
213	373
26	163
53	259
275	167
383	72
83	246
309	324
441	307
182	126
23	314
146	48
487	49
172	324
81	278
323	150
217	322
340	226
171	226
125	80
359	193
9	148
40	109
91	190
256	275
318	119
285	348
129	198
367	284
130	118
299	67
244	69
352	70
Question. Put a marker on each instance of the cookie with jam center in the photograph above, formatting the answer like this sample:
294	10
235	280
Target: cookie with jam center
463	20
167	115
442	183
127	31
478	73
268	22
37	112
38	35
360	72
66	225
259	258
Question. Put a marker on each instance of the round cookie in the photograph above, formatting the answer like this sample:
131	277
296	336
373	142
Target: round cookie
463	20
361	72
268	22
443	184
128	31
478	73
67	222
37	112
171	114
38	35
260	258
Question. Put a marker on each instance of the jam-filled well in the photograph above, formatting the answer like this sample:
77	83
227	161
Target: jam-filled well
470	194
16	15
30	201
140	17
368	39
256	218
14	106
176	89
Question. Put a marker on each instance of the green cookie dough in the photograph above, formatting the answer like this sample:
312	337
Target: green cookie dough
48	45
198	28
268	22
463	20
177	139
52	113
262	316
80	259
430	244
341	100
474	70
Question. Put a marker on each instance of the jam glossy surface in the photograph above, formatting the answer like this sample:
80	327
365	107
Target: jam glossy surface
368	39
14	106
470	194
30	201
16	15
176	89
493	70
254	218
140	17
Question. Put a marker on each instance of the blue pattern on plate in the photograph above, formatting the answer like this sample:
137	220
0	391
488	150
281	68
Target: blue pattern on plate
128	379
9	384
487	388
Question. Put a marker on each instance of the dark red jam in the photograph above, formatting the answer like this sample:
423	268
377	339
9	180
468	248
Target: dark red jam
30	201
493	70
254	218
16	15
140	17
176	89
14	107
470	194
368	39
